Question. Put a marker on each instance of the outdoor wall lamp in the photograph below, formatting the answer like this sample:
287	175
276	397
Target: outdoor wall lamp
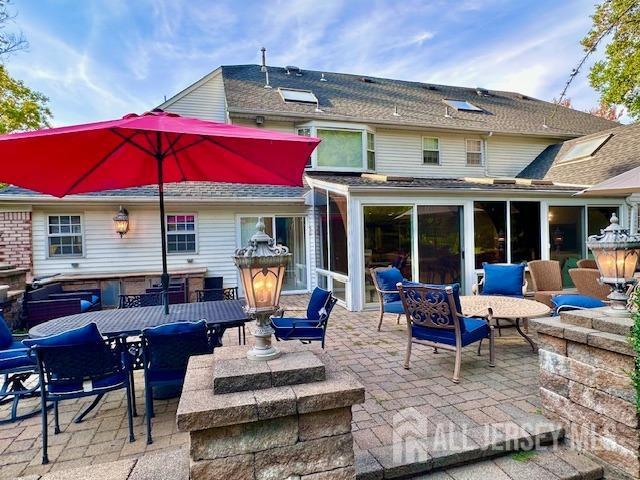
121	221
616	253
262	267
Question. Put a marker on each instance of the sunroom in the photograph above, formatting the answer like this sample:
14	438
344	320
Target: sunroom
443	230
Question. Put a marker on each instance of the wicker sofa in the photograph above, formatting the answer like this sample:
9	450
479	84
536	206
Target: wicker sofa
52	301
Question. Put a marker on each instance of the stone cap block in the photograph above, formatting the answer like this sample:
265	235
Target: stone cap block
200	408
240	374
596	319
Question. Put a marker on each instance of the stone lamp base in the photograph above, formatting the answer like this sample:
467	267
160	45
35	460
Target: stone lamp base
262	332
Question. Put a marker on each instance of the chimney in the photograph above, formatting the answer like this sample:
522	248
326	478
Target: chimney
263	67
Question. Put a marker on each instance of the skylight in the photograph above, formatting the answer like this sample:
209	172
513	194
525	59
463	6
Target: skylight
585	148
462	105
297	96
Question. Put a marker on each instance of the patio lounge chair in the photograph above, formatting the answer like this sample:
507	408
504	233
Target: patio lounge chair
16	366
587	282
385	280
166	350
52	301
434	319
80	363
587	263
547	280
312	327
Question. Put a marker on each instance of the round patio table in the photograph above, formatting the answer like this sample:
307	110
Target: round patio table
219	315
508	308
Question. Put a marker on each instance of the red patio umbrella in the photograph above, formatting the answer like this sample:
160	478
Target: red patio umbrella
155	147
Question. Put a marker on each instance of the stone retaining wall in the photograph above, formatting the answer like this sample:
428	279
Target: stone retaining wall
585	360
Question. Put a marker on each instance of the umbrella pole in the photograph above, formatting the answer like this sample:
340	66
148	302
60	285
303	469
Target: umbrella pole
164	278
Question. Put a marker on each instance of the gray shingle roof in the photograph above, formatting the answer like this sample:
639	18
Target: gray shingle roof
184	190
348	97
619	154
359	182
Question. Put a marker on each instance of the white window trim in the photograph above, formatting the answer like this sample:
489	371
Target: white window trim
438	150
357	128
367	150
466	152
49	235
195	232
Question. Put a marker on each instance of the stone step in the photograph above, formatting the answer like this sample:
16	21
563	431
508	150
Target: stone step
595	319
542	464
419	454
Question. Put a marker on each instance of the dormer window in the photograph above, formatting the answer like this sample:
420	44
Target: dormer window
462	105
290	95
585	148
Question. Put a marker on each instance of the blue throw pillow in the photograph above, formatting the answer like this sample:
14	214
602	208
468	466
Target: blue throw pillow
94	299
317	302
503	279
85	305
177	328
78	336
388	281
6	339
575	302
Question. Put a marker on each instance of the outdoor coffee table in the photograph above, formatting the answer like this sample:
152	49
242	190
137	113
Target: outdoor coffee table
508	308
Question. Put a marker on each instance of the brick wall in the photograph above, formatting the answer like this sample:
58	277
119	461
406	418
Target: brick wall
15	238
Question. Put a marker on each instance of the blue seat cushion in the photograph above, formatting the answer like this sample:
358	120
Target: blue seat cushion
474	330
317	302
85	305
176	328
6	339
78	336
394	307
94	299
574	302
388	280
15	356
284	328
503	279
107	382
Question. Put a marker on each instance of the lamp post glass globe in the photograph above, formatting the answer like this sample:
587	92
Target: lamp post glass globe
616	253
262	267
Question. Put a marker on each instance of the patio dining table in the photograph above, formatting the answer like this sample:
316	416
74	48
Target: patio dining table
508	308
219	316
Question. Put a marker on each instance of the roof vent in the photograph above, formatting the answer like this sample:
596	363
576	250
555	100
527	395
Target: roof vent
433	88
291	69
322	79
524	97
366	80
482	92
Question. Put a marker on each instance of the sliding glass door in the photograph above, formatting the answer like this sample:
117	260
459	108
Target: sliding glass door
566	238
289	231
440	243
387	242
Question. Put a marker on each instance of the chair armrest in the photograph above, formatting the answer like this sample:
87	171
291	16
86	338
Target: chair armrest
475	289
525	287
389	291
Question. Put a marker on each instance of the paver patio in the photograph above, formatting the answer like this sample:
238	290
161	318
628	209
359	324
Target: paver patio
484	396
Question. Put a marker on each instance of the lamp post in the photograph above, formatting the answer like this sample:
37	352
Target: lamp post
262	266
616	253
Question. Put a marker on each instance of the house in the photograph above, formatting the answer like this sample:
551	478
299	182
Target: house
409	174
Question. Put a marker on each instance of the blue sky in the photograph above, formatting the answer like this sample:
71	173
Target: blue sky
100	59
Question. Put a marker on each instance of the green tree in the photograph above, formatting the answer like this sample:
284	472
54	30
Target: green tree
617	76
20	107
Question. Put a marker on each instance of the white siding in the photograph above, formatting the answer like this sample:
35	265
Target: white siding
277	125
400	152
139	249
206	101
509	155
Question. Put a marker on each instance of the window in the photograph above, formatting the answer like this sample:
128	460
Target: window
474	152
524	231
585	148
339	148
305	132
462	105
599	218
181	233
297	96
566	238
65	235
371	151
431	150
331	231
490	232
